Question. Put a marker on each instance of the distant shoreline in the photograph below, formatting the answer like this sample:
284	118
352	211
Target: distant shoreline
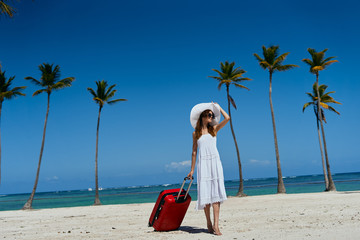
169	184
149	194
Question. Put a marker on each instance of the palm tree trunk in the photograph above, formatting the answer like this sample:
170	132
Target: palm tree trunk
331	182
0	139
28	204
322	153
240	192
97	200
281	186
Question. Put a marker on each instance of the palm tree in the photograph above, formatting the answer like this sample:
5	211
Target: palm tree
272	61
48	82
5	9
7	93
324	100
319	63
101	96
229	75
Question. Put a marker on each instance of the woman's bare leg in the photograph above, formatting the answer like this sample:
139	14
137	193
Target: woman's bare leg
208	219
216	209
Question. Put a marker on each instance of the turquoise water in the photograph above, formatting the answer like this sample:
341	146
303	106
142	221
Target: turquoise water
144	194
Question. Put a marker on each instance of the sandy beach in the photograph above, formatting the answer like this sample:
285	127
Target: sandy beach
334	215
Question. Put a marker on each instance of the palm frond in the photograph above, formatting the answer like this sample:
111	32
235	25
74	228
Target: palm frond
328	93
232	101
242	79
323	51
311	51
324	105
322	89
67	81
16	91
110	92
236	76
240	86
336	102
285	67
329	63
265	65
18	94
217	71
91	91
258	57
307	61
306	105
329	58
217	78
5	87
117	100
39	91
10	79
6	9
219	86
6	95
61	84
323	115
280	59
333	110
311	96
329	99
34	81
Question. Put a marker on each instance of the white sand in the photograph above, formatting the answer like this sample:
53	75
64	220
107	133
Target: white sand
288	216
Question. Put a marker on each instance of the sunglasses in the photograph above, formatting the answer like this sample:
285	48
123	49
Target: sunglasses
210	115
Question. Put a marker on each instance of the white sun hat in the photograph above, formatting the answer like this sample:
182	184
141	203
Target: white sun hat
199	108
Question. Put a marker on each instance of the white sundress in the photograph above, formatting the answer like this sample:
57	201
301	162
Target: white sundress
210	176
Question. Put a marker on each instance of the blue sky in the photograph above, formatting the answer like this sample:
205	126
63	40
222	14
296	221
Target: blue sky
160	54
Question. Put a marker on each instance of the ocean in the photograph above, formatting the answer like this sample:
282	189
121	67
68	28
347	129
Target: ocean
148	194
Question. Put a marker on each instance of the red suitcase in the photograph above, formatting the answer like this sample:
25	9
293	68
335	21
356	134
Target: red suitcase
170	208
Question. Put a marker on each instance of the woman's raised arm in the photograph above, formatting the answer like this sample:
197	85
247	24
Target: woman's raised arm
224	121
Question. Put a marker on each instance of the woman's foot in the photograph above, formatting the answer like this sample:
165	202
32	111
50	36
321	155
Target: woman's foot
217	231
210	228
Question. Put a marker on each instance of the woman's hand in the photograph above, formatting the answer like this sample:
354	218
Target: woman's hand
190	175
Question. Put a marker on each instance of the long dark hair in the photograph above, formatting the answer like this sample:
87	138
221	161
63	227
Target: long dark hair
199	124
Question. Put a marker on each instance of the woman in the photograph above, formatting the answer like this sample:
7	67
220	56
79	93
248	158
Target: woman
205	119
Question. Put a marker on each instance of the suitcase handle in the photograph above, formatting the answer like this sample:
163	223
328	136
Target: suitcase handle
182	186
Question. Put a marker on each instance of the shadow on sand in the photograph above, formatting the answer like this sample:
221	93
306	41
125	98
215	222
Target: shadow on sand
350	192
193	230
